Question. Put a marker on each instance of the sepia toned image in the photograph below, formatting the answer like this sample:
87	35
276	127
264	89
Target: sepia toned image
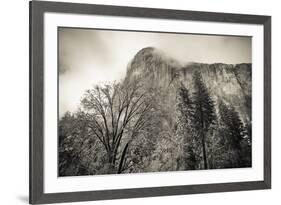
136	102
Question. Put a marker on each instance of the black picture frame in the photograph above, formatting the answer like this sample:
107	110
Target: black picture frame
36	173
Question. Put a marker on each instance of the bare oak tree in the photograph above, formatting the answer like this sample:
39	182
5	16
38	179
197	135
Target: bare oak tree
116	115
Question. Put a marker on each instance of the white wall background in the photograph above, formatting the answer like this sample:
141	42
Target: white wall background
14	100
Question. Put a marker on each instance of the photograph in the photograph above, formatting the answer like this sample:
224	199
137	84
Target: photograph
147	101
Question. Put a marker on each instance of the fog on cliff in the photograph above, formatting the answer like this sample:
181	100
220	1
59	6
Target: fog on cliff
88	57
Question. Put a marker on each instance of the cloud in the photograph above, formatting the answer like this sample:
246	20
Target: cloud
80	46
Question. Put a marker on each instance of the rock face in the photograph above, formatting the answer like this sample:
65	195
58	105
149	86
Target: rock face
226	82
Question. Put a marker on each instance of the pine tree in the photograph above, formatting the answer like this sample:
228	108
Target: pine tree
185	127
185	105
204	111
234	135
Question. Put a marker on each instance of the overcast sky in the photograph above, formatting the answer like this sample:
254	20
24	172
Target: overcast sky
88	56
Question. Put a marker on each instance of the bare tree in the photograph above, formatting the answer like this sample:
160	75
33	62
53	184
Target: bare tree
116	115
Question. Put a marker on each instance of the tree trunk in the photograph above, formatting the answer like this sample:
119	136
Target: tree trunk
204	151
111	168
203	138
120	168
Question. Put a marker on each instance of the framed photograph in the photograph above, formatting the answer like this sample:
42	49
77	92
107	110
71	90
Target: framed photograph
139	102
